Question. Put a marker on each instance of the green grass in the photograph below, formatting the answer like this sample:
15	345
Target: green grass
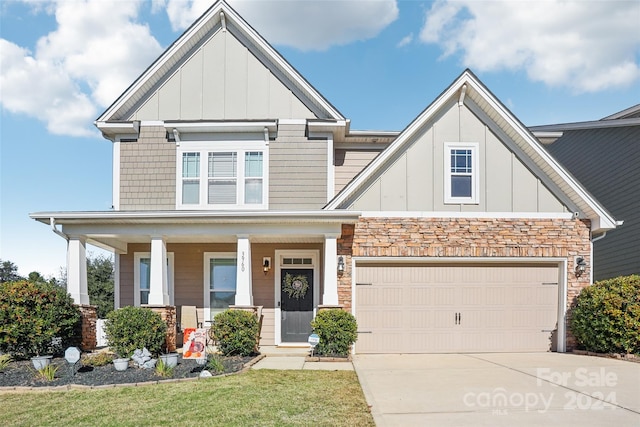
255	398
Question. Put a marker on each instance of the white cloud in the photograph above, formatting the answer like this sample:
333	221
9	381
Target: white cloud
405	40
95	52
302	24
587	46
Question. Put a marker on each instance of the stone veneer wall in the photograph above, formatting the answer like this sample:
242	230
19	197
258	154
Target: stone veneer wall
86	330
467	237
168	314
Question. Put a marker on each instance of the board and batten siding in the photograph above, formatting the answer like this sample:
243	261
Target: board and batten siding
414	178
148	172
297	170
222	80
607	166
350	162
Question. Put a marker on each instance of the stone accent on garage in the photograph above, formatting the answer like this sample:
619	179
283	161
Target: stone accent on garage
467	238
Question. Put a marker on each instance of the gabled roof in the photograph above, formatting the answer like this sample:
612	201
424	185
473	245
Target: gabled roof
469	90
219	17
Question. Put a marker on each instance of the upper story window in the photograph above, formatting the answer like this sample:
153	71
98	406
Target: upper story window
222	175
461	182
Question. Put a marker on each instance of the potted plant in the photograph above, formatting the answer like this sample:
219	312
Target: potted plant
121	363
170	358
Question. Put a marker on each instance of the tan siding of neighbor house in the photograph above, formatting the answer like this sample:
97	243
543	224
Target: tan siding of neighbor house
222	80
413	180
297	170
148	171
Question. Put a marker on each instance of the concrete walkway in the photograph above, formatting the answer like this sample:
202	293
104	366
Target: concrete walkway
298	362
534	389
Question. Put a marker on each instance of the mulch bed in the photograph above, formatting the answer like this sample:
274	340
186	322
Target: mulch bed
22	373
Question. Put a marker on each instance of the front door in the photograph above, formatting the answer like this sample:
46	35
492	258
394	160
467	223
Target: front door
296	296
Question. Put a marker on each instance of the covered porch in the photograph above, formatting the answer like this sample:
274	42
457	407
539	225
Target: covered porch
285	263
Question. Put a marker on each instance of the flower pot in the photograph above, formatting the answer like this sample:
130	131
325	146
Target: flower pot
40	362
121	364
170	359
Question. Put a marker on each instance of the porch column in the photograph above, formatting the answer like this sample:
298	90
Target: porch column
158	289
244	293
330	295
77	270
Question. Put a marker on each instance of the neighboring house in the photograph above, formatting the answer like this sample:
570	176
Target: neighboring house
235	181
604	155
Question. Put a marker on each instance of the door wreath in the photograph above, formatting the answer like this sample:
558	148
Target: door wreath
295	286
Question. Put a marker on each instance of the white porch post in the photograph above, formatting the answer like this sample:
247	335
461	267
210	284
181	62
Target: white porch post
77	270
158	289
330	295
244	292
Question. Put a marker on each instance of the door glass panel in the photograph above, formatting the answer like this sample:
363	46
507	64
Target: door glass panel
222	284
145	280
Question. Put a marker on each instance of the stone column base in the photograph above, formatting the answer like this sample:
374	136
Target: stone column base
168	315
86	330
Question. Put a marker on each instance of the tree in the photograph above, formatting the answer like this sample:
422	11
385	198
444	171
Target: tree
9	272
100	284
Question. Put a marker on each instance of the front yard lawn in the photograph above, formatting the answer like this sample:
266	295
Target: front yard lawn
260	397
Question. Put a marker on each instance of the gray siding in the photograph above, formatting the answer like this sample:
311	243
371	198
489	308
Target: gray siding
414	179
297	170
222	80
349	163
606	162
148	172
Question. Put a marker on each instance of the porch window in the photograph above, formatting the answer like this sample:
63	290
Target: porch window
461	173
142	277
220	286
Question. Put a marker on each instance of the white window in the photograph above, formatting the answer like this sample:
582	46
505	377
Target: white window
222	175
461	181
220	273
142	277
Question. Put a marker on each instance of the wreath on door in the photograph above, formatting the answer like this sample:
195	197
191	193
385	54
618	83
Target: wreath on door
295	286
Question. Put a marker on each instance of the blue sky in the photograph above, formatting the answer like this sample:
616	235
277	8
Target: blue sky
380	62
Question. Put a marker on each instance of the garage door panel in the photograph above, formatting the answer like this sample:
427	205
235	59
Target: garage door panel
456	308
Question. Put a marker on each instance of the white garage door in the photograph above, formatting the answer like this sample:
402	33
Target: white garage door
456	308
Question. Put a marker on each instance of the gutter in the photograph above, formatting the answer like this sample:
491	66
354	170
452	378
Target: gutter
52	221
618	224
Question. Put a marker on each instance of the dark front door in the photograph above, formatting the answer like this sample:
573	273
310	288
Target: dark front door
296	296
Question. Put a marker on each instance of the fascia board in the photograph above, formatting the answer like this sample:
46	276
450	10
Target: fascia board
596	124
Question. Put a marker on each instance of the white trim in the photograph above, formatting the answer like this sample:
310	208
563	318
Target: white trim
222	127
479	215
562	279
115	190
207	278
292	121
137	256
330	278
475	173
331	170
314	254
116	280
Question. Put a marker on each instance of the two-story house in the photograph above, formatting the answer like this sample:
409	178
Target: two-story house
235	183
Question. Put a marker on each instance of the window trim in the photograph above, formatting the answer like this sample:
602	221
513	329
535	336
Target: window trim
208	256
137	256
240	147
475	174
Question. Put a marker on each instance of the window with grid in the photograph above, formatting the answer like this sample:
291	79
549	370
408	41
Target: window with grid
190	178
461	170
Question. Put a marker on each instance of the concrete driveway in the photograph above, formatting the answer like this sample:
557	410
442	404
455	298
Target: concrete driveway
523	389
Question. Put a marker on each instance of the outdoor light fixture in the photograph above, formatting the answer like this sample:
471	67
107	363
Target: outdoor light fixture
340	265
580	265
266	264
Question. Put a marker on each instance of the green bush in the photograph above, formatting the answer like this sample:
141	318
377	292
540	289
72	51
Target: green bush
130	328
337	331
236	332
606	318
35	318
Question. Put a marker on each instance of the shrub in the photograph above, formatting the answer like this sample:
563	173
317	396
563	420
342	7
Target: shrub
97	359
130	328
606	318
337	331
35	318
236	332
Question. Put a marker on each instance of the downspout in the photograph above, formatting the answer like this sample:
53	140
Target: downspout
52	221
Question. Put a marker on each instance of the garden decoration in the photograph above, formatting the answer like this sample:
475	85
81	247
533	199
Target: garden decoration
295	286
72	356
